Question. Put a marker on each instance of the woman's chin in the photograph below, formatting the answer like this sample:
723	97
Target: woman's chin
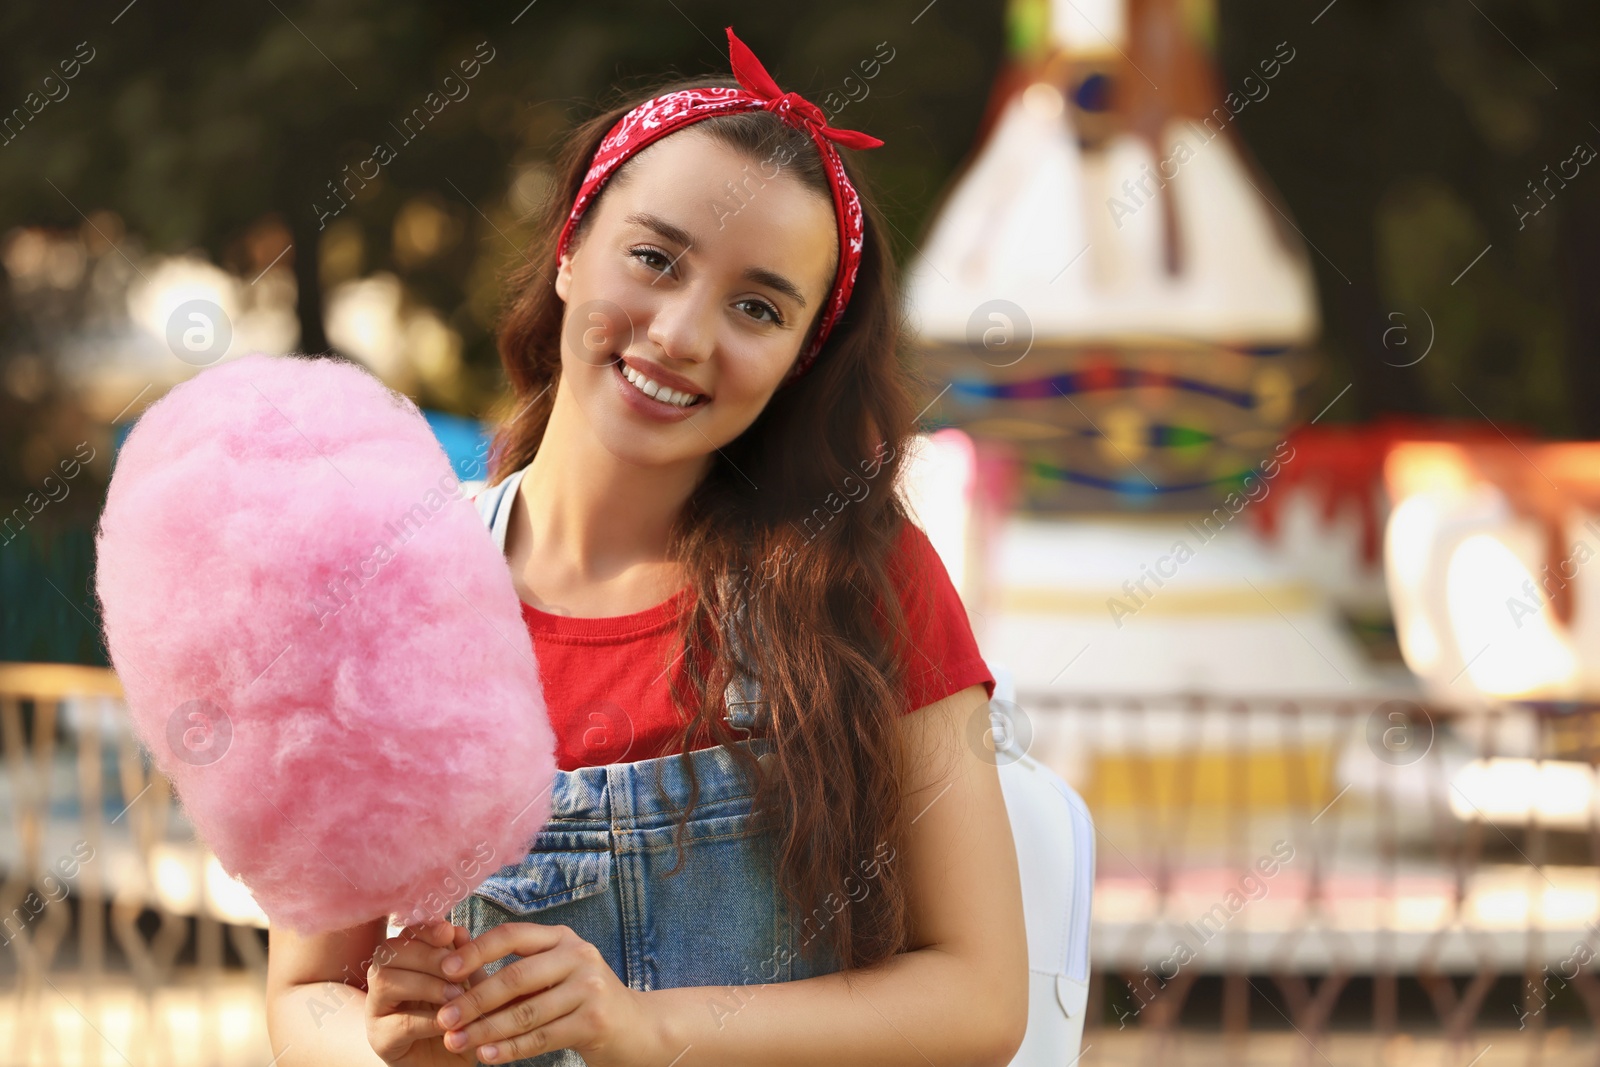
642	443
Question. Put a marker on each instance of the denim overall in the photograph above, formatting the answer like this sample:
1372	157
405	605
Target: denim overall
599	866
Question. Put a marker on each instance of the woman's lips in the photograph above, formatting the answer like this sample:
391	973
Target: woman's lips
648	406
663	377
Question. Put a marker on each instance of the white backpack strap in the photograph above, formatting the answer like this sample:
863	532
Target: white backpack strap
494	504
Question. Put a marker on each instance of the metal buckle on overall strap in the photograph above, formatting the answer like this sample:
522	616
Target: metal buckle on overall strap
746	709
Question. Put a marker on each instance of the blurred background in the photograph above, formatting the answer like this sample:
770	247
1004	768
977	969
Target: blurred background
1262	441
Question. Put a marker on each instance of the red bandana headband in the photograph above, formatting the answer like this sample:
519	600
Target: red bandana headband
659	116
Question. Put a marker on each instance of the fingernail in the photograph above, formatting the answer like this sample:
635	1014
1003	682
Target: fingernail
488	1052
449	1016
452	964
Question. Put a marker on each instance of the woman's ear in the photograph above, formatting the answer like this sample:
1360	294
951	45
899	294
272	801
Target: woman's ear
564	275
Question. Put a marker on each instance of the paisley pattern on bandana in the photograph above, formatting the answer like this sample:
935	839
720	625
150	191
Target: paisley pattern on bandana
660	115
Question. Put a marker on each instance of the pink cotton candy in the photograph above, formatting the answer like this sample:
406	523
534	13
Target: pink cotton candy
320	644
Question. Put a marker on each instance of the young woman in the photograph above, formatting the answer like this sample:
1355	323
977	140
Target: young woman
775	838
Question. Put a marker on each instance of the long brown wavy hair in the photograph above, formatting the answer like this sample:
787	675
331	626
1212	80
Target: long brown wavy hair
803	562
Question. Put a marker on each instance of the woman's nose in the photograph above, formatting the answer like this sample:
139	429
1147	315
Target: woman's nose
684	325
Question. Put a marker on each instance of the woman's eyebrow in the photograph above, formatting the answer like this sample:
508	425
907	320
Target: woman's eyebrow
675	234
678	235
774	280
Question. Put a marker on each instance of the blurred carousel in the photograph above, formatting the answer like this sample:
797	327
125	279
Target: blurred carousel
1190	582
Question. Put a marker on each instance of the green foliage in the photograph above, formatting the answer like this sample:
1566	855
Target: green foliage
1403	144
193	128
48	612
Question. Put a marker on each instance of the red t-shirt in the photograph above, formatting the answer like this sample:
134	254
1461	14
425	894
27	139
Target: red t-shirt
607	689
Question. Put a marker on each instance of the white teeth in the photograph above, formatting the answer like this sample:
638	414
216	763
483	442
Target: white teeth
657	390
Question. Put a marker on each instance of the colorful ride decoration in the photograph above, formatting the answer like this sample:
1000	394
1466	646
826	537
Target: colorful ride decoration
1111	288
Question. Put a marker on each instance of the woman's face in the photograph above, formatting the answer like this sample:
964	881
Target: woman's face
679	281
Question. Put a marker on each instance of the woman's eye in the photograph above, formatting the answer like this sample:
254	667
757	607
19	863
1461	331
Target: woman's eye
650	257
762	305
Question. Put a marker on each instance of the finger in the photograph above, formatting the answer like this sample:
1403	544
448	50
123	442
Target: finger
415	953
461	938
567	1030
521	1019
438	934
520	978
504	939
390	989
403	943
398	1029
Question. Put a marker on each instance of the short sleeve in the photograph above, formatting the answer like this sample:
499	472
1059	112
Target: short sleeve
943	655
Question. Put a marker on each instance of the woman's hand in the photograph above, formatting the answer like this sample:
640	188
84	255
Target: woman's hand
561	994
405	985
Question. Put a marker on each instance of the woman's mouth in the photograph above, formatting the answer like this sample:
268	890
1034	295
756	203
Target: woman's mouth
655	392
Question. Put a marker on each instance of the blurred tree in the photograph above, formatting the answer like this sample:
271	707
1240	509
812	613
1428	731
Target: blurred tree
1404	136
230	130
